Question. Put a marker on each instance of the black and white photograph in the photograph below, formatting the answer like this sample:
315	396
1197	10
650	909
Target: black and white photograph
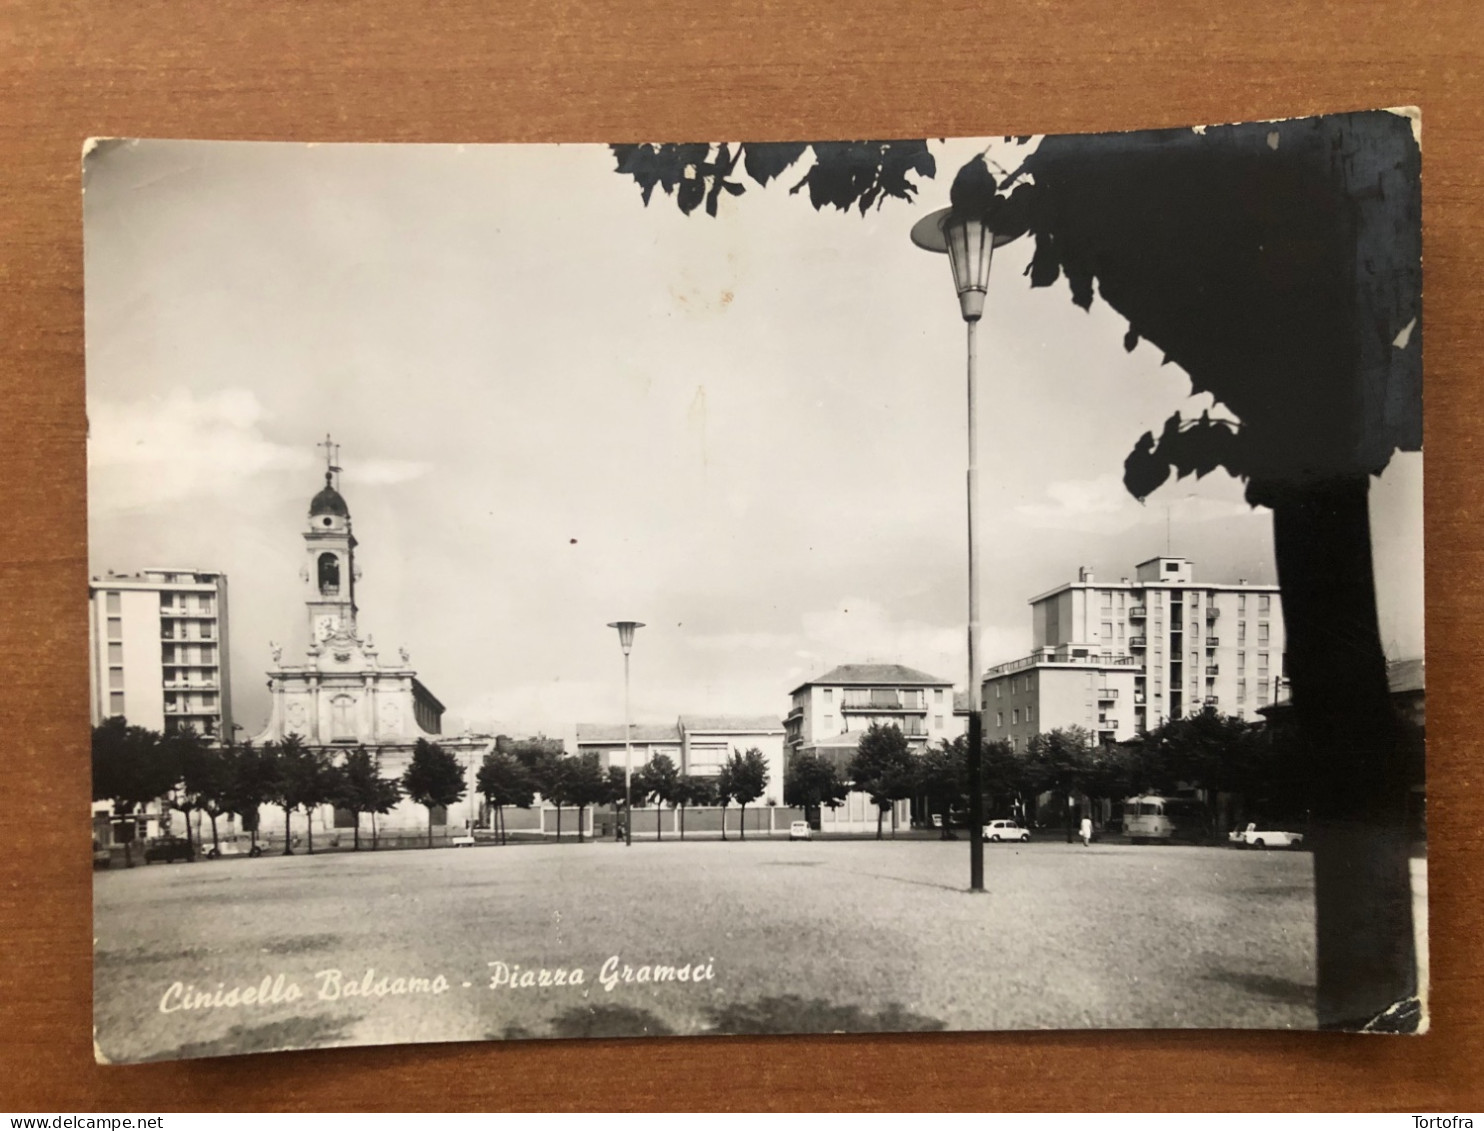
671	590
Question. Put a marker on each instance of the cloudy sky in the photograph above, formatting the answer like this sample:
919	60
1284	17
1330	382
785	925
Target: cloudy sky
558	408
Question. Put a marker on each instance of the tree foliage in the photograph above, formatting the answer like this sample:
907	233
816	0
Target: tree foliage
843	174
503	780
882	766
747	777
812	782
359	788
434	779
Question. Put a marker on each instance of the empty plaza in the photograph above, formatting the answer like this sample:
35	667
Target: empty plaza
702	937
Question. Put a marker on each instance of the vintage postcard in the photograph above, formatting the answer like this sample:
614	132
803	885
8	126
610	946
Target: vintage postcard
684	590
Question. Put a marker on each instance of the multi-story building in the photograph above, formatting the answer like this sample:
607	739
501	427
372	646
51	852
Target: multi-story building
828	714
159	650
1120	658
698	745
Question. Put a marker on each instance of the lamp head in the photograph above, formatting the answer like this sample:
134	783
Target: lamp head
625	633
969	242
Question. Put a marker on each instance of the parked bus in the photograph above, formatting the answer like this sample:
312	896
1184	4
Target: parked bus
1160	820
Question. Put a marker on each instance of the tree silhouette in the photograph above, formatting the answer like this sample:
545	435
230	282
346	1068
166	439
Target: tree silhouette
661	778
747	774
360	789
503	780
1279	264
812	782
882	766
433	779
130	771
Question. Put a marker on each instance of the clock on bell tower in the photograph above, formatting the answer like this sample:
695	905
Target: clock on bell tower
329	548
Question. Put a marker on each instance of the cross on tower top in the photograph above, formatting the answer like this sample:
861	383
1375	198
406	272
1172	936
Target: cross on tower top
332	460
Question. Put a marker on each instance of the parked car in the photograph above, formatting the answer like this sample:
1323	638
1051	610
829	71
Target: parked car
102	857
997	831
463	840
168	849
1261	836
800	830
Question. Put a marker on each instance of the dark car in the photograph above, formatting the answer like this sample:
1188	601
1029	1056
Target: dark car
168	849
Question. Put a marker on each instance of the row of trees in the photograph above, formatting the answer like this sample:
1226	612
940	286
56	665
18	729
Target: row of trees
1210	751
515	776
134	766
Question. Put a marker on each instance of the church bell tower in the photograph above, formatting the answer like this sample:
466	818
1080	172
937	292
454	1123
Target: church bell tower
330	567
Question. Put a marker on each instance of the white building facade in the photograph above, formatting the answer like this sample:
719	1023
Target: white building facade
1120	658
158	646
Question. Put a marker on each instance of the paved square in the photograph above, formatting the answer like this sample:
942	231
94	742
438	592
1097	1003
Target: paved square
772	936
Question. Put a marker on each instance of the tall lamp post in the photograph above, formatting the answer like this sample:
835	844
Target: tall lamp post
969	242
626	642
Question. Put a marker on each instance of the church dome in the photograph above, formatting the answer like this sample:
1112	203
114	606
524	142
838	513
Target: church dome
328	501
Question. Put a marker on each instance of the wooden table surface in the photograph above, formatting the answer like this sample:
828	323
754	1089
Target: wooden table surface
611	70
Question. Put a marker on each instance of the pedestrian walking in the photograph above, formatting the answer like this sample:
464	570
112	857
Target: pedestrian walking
1086	831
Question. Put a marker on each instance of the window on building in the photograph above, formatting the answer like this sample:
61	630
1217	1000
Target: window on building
1107	630
1241	659
938	696
829	694
115	653
1107	598
1262	664
1241	632
1156	598
829	724
997	691
1264	602
1014	715
1014	743
116	678
329	575
1241	691
208	700
115	702
999	718
1120	630
111	603
342	717
1262	692
115	628
938	722
1159	684
1159	628
1241	602
1030	714
1262	632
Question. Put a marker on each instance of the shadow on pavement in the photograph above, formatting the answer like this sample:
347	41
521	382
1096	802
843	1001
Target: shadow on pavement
1265	985
791	1013
276	1036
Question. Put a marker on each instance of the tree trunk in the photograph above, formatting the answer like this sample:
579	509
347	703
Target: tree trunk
723	822
880	816
1349	732
355	838
657	810
215	845
581	813
559	824
309	827
288	831
742	821
682	822
430	826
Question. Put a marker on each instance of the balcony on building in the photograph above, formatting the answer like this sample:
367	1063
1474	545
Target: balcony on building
1212	641
1213	669
1137	612
868	700
1107	694
1212	700
1137	641
1212	612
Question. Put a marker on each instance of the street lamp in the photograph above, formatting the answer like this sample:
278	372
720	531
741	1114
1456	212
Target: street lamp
626	642
969	242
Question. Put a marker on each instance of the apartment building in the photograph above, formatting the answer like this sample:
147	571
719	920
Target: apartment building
159	649
699	745
1119	658
830	713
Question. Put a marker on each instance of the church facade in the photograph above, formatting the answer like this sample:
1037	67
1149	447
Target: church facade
345	694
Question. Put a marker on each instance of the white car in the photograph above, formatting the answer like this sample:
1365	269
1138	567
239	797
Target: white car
997	831
800	830
1255	836
466	840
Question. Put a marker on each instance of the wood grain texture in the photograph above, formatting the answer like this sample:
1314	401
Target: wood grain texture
537	70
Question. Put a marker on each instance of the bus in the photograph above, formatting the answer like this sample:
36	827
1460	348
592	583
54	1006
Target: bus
1152	819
